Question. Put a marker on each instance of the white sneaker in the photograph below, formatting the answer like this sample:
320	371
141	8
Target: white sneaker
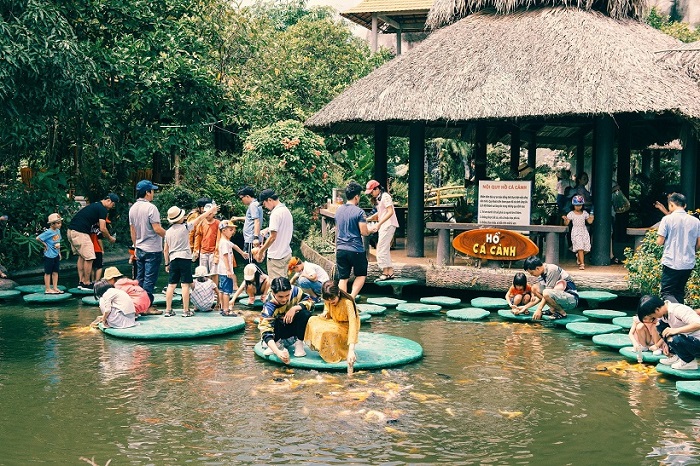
299	349
657	352
685	366
669	361
268	351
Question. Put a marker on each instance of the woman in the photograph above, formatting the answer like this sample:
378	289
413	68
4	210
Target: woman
285	313
334	333
117	307
387	223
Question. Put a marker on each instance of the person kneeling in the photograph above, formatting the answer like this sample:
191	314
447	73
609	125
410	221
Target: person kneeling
117	307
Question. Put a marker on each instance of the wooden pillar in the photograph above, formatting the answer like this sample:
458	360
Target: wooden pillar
480	135
624	151
532	149
689	163
375	34
514	150
398	42
416	183
646	163
381	145
580	153
656	161
604	137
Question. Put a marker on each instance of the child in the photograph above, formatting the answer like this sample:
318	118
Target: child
580	239
255	283
178	256
116	306
646	336
519	294
96	238
226	263
204	291
51	239
141	300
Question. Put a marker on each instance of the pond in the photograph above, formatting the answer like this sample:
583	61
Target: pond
485	393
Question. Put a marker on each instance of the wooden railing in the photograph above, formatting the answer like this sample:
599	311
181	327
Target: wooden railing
438	195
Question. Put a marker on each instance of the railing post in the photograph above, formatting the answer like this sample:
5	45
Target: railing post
443	247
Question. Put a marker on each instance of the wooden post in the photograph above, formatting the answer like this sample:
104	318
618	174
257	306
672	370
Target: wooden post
480	134
381	144
646	162
514	150
532	149
604	136
416	185
398	42
375	33
624	143
656	161
689	166
580	154
444	247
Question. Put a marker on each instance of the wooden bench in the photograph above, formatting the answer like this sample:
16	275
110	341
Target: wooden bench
444	246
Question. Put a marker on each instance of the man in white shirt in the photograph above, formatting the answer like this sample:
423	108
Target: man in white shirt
308	276
278	244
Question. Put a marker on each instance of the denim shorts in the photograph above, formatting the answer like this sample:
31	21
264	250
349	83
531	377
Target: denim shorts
225	284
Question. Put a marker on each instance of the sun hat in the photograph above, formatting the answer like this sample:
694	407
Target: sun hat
55	218
145	185
249	272
112	272
371	184
175	214
201	271
577	200
293	262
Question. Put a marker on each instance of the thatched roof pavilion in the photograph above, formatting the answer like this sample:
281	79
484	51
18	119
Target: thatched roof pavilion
552	75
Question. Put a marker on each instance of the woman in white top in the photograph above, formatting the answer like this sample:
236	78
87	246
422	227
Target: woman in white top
117	307
386	225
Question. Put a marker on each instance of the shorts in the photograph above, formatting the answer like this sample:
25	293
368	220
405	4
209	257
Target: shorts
225	284
351	261
51	265
180	271
277	267
81	244
97	264
565	300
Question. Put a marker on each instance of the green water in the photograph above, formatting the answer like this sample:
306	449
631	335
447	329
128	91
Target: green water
485	393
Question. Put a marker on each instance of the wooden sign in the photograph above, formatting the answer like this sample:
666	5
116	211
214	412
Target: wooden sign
495	244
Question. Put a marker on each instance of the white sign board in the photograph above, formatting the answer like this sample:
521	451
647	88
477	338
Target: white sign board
504	202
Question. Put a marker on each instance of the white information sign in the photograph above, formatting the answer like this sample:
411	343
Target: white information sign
504	202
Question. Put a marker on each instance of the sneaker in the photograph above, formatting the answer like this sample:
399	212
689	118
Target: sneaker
669	361
299	349
169	313
657	352
84	287
268	351
685	366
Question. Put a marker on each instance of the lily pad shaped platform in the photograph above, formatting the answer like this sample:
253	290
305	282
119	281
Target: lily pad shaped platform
386	301
689	387
681	374
647	356
8	294
490	303
159	299
177	327
612	340
373	350
42	298
570	318
78	291
441	300
418	308
508	315
589	328
397	284
468	313
371	309
594	298
257	304
365	318
624	322
603	314
35	288
90	301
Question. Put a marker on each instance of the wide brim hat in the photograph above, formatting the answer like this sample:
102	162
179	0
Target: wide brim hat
55	218
112	272
175	214
201	271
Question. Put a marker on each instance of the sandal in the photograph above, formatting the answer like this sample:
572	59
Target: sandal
558	315
168	313
229	314
383	277
581	267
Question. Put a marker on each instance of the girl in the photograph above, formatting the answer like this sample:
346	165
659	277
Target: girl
644	335
334	333
520	293
387	223
255	283
580	239
117	307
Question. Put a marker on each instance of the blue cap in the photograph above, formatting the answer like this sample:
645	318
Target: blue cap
145	185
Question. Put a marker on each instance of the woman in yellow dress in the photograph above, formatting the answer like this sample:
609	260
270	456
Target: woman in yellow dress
334	333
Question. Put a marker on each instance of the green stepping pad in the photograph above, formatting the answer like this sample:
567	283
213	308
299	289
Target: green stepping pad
570	318
257	304
689	387
365	318
468	313
647	356
159	299
371	309
178	327
589	328
668	370
318	305
373	350
624	322
612	340
595	297
490	303
8	294
41	298
508	315
441	300
418	308
603	314
385	301
90	301
36	288
397	282
78	291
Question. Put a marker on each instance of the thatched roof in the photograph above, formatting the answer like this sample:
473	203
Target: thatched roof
545	64
448	11
685	57
410	15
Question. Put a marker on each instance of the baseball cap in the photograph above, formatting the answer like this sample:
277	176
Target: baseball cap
112	197
371	184
226	224
145	185
268	194
293	262
201	202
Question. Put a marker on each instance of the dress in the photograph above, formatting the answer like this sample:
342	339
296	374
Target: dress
331	335
580	239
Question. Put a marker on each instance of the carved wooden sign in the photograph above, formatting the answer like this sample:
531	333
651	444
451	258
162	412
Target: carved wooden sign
495	244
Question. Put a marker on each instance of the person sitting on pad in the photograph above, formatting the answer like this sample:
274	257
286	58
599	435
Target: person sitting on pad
116	306
554	287
308	276
204	292
141	300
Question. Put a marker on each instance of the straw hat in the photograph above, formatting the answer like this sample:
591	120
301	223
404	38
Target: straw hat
249	272
112	272
175	214
55	218
201	271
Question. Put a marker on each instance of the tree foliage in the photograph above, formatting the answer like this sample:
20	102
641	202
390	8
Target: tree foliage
679	30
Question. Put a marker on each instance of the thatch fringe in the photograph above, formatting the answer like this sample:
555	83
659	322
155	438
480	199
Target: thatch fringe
446	12
685	58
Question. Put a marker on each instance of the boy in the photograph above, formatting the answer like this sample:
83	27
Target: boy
310	277
554	287
226	262
51	239
178	257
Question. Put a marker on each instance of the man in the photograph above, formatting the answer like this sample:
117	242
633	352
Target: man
278	244
146	235
679	233
252	221
196	212
554	287
308	276
79	235
350	227
679	325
